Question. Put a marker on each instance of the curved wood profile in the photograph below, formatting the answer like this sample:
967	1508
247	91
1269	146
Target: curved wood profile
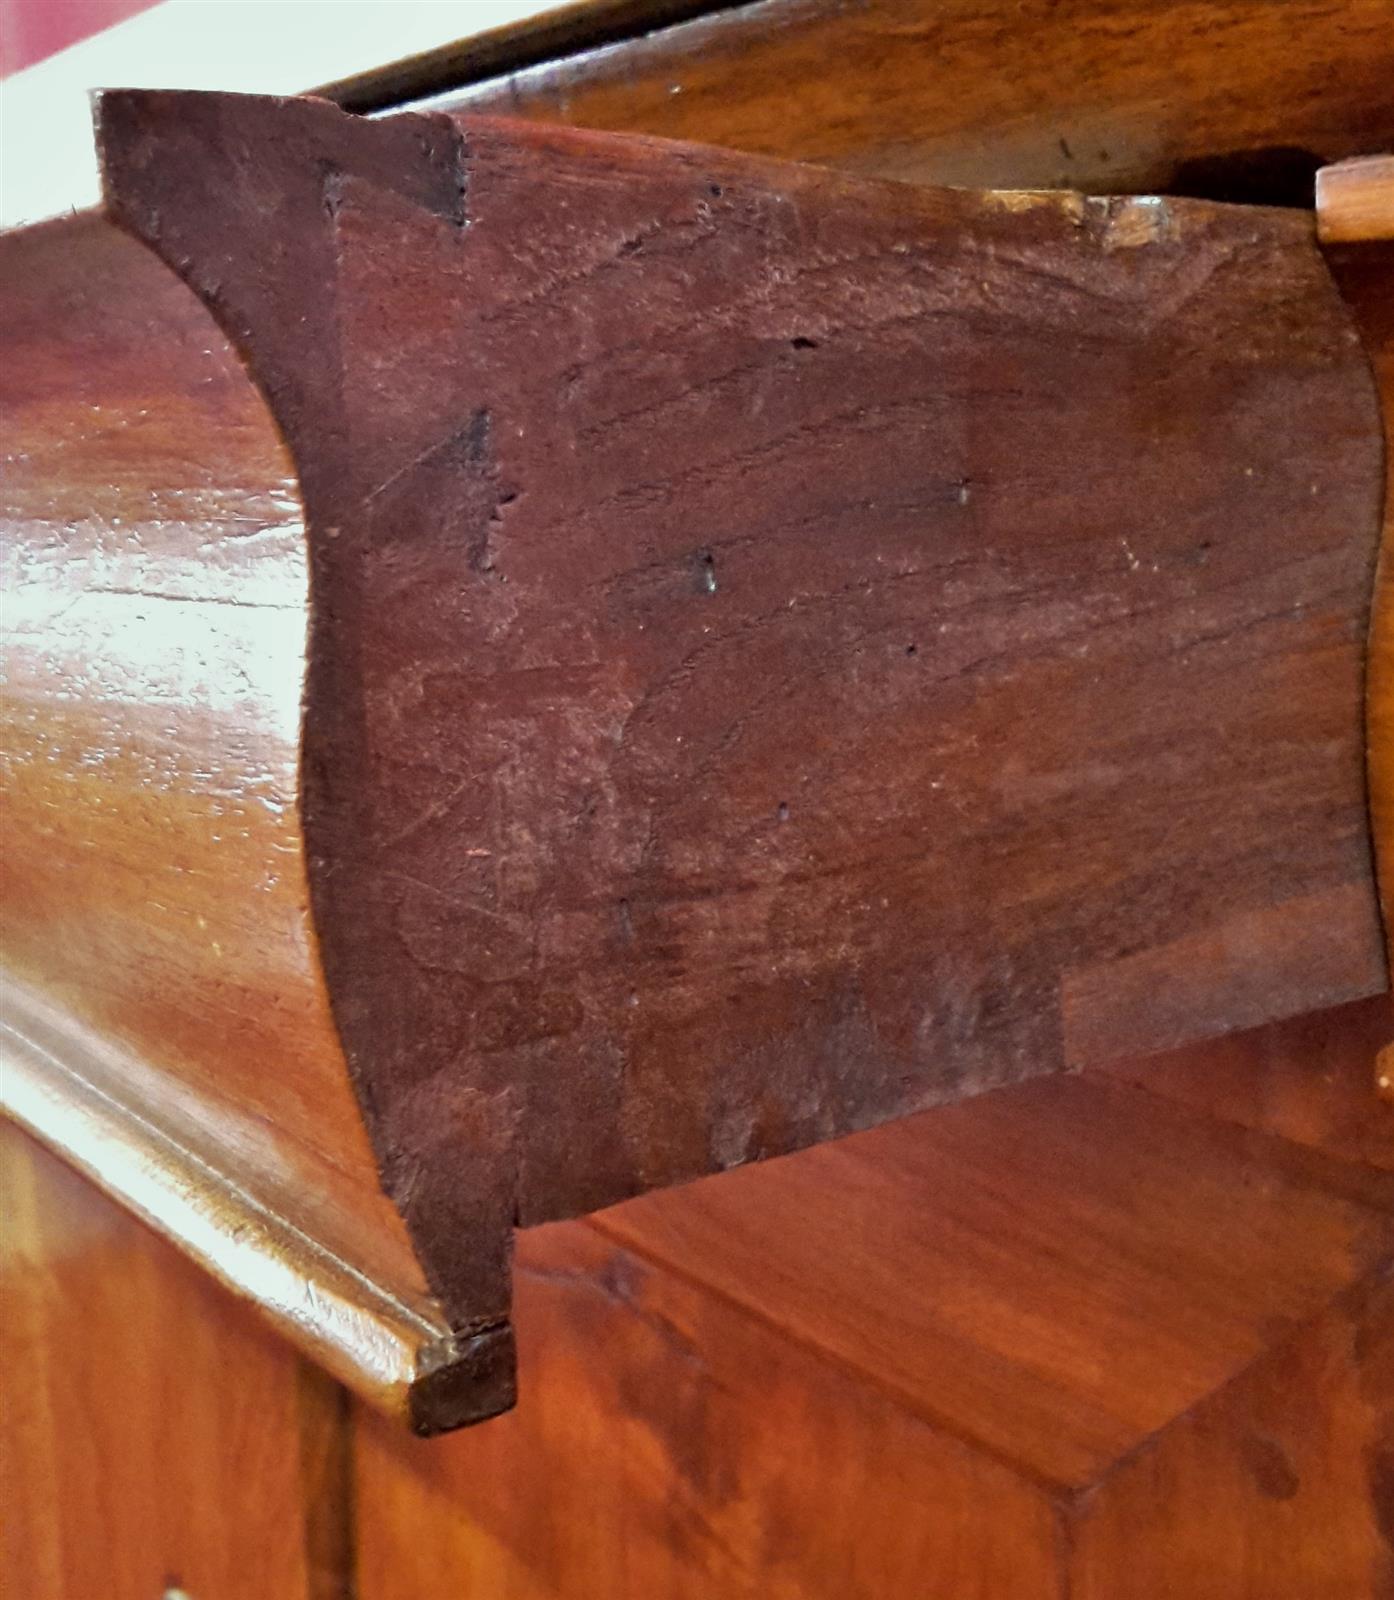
166	1023
1355	219
784	651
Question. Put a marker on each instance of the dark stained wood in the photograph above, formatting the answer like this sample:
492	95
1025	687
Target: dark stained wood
1062	1339
695	1441
763	680
153	1436
1238	101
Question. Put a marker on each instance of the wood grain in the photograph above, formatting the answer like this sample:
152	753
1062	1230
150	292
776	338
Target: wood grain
668	1443
163	975
155	1436
1002	1241
154	880
1064	1338
1365	273
1355	201
732	714
1309	1080
58	1084
1278	1485
1229	101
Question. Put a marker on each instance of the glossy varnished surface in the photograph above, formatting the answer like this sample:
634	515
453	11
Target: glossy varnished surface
1062	1339
861	1380
154	1439
1055	1184
1240	100
156	918
71	1089
1310	1081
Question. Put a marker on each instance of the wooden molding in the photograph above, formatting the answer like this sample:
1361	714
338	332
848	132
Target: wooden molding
783	651
168	1029
399	1355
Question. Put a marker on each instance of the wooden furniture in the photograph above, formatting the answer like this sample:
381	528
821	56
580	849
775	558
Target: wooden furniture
1133	1339
714	739
964	1350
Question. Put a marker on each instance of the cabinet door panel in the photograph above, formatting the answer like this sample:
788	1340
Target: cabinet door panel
155	1437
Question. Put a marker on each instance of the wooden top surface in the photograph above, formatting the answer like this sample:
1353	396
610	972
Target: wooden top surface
1053	1270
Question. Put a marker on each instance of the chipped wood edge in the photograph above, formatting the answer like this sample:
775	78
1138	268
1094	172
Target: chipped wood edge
400	1358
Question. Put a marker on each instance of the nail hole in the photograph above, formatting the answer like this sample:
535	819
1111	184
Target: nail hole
782	811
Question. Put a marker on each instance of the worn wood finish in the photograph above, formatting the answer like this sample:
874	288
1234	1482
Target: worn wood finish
166	1022
733	719
1065	1338
155	1437
1238	101
737	717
